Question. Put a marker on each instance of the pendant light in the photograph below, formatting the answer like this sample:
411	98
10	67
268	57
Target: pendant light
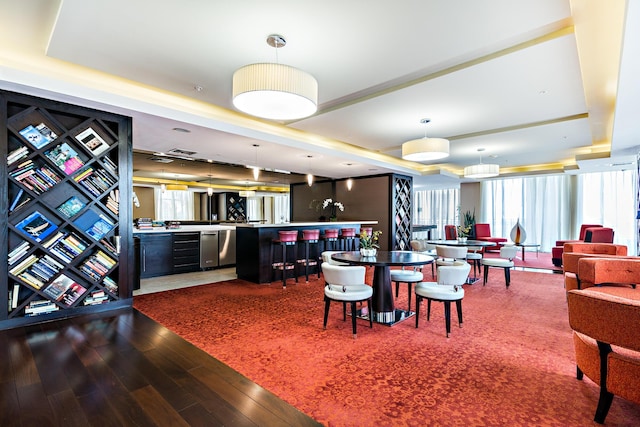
481	170
256	169
210	189
425	149
275	91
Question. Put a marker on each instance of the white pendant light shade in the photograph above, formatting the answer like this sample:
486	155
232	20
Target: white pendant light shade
275	91
210	191
482	170
425	149
309	179
247	193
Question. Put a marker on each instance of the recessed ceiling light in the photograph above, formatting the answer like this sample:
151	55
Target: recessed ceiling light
183	130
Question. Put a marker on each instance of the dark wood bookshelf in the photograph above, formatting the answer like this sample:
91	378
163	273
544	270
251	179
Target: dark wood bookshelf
66	192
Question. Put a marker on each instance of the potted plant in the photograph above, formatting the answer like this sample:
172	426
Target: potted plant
369	242
463	232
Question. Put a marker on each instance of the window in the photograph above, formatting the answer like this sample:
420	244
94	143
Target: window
173	205
439	207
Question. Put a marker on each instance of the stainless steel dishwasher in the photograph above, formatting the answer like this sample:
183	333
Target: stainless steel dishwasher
209	254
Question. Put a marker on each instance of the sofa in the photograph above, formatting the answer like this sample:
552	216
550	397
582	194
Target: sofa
605	323
557	250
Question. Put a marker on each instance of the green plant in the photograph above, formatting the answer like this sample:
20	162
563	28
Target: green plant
369	241
468	222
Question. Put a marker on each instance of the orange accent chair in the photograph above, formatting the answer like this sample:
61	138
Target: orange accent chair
483	232
612	271
605	324
556	252
577	250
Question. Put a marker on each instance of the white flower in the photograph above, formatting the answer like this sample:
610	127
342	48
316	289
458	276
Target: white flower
326	203
340	206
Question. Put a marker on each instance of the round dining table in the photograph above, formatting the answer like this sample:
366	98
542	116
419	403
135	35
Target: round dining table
383	308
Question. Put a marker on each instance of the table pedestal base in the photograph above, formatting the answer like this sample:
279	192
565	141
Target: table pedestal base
388	318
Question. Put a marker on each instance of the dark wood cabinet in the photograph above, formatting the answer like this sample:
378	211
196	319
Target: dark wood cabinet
156	254
65	210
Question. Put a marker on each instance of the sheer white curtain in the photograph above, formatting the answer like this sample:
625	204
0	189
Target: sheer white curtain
608	198
173	205
439	207
281	209
254	208
552	208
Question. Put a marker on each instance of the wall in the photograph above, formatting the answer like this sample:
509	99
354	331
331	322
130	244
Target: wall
147	200
470	198
369	200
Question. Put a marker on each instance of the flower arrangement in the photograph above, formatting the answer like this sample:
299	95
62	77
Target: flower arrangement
464	230
369	241
334	205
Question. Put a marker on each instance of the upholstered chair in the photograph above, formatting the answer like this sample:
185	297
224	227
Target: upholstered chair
450	232
421	246
505	261
605	323
558	249
576	250
326	257
408	275
611	271
483	233
447	255
447	289
346	284
474	257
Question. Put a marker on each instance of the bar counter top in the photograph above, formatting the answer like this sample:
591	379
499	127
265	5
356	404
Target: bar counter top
185	228
303	224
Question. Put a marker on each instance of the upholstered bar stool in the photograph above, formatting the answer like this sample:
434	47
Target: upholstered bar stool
330	239
311	252
347	239
287	239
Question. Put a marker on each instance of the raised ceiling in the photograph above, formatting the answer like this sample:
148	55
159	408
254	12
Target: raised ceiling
544	86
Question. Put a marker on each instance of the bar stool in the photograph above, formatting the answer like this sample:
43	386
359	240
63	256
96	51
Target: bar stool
348	239
310	238
330	238
286	239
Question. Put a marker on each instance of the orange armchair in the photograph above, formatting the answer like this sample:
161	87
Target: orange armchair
577	250
605	324
483	232
612	271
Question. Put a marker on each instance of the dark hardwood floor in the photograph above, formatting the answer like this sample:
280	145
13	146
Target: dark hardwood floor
124	369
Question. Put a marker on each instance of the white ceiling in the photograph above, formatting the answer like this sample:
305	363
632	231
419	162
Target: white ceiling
544	86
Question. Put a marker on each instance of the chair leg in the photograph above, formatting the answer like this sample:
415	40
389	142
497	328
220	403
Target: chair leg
353	318
433	270
428	309
459	310
604	403
409	284
485	276
327	302
507	276
370	314
344	311
418	301
397	288
447	316
579	373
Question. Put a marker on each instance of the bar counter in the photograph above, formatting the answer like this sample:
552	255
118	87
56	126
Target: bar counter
253	250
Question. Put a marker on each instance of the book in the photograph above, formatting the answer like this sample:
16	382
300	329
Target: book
94	224
92	141
36	226
72	294
14	203
34	137
17	154
71	207
65	157
58	287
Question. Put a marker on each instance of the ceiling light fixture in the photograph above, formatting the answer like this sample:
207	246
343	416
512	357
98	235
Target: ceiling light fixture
275	91
425	149
481	170
210	189
349	181
256	169
309	175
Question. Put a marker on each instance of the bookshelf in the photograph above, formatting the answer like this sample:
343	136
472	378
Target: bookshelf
66	210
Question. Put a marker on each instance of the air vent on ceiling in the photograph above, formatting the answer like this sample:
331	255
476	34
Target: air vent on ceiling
180	152
161	159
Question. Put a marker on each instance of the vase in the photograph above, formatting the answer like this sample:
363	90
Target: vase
462	239
368	251
518	235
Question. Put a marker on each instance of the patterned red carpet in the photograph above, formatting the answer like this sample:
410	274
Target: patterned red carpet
531	260
511	363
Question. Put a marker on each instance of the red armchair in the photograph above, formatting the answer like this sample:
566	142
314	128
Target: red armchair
450	232
556	252
483	232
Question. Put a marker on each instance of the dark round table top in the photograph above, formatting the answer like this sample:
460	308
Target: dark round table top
459	243
384	258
